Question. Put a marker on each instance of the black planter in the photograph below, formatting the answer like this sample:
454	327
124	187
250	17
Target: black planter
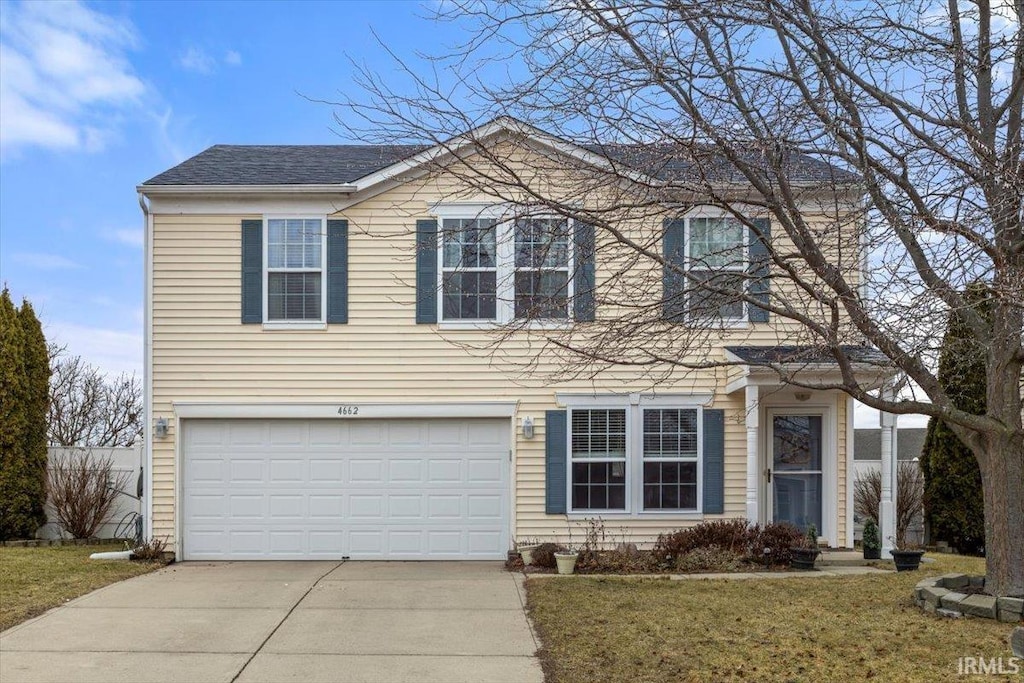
872	553
907	560
803	558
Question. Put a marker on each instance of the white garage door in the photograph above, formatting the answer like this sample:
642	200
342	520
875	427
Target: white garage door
365	489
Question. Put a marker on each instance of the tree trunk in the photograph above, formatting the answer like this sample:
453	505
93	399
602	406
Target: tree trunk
1002	475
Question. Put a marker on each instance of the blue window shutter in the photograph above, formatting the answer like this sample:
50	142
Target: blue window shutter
337	271
252	271
674	282
583	286
555	462
426	271
760	283
713	462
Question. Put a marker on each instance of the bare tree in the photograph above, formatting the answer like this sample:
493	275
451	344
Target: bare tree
83	489
912	110
867	495
88	408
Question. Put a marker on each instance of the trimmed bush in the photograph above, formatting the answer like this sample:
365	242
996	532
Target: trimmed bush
767	546
712	559
544	555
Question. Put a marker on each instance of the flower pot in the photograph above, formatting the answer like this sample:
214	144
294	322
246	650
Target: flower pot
872	553
907	560
803	558
566	562
526	552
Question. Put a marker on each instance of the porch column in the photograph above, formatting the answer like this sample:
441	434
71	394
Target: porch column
753	462
887	508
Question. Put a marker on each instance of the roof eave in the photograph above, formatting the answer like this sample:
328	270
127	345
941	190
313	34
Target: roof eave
244	190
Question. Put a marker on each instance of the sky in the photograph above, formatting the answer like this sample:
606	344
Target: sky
96	98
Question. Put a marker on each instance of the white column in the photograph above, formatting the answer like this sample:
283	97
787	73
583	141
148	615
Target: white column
887	508
753	462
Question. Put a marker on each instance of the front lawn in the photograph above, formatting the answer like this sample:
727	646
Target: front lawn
792	629
32	580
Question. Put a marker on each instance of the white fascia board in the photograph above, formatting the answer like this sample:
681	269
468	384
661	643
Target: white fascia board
343	410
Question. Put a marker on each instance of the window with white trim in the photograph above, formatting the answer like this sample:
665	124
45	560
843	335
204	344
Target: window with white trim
469	269
716	255
542	268
635	459
496	269
294	273
670	458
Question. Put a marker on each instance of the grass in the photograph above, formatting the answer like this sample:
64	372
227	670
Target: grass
32	580
794	629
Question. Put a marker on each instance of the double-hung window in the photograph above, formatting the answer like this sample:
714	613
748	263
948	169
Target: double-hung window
498	269
469	269
541	268
634	459
670	458
295	266
717	258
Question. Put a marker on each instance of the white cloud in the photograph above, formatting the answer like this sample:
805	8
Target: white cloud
196	59
43	261
131	237
63	72
113	351
200	61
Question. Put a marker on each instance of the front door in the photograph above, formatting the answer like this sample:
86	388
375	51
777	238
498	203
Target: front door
794	475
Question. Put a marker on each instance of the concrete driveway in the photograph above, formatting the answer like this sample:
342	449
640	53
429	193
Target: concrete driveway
285	621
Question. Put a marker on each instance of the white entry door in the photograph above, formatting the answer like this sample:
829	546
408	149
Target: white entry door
328	489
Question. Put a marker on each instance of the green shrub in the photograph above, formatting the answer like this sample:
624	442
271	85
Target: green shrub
953	500
24	400
871	540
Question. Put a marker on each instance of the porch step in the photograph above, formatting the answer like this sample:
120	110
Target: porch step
847	558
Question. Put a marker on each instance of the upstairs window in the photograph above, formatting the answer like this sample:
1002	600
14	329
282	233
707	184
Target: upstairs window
294	274
498	270
717	257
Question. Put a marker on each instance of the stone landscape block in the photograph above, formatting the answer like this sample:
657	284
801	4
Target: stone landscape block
1011	610
952	599
954	581
933	595
979	606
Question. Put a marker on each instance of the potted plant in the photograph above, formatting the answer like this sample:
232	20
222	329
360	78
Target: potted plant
526	548
905	557
566	560
872	543
804	555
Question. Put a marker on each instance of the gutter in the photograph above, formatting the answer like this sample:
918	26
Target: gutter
234	190
147	367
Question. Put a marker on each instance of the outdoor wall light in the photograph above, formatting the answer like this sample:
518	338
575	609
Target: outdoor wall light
161	428
802	395
527	427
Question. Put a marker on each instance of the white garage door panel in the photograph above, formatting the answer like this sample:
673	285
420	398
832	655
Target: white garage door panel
397	489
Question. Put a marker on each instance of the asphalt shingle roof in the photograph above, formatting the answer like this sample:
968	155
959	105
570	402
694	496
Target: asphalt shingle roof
283	164
341	164
774	355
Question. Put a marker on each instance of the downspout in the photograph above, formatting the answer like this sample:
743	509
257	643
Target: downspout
147	371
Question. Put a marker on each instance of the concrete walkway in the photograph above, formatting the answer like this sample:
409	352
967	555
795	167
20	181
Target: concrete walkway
285	621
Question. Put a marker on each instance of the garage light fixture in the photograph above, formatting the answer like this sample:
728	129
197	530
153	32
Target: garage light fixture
161	428
527	427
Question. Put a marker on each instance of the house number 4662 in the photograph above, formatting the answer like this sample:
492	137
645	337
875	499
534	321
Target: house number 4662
348	410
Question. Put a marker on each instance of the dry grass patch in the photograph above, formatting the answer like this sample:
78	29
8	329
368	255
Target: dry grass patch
793	629
32	580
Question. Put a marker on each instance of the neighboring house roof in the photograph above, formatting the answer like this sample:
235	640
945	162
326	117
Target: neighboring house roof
267	165
867	443
779	355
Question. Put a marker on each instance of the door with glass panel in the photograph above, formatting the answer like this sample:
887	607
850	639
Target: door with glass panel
794	473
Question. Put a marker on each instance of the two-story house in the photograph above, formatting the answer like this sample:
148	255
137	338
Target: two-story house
334	369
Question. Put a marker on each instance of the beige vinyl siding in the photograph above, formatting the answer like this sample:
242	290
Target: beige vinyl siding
202	352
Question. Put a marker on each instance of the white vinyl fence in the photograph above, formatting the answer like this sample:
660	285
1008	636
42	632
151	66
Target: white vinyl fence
127	460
